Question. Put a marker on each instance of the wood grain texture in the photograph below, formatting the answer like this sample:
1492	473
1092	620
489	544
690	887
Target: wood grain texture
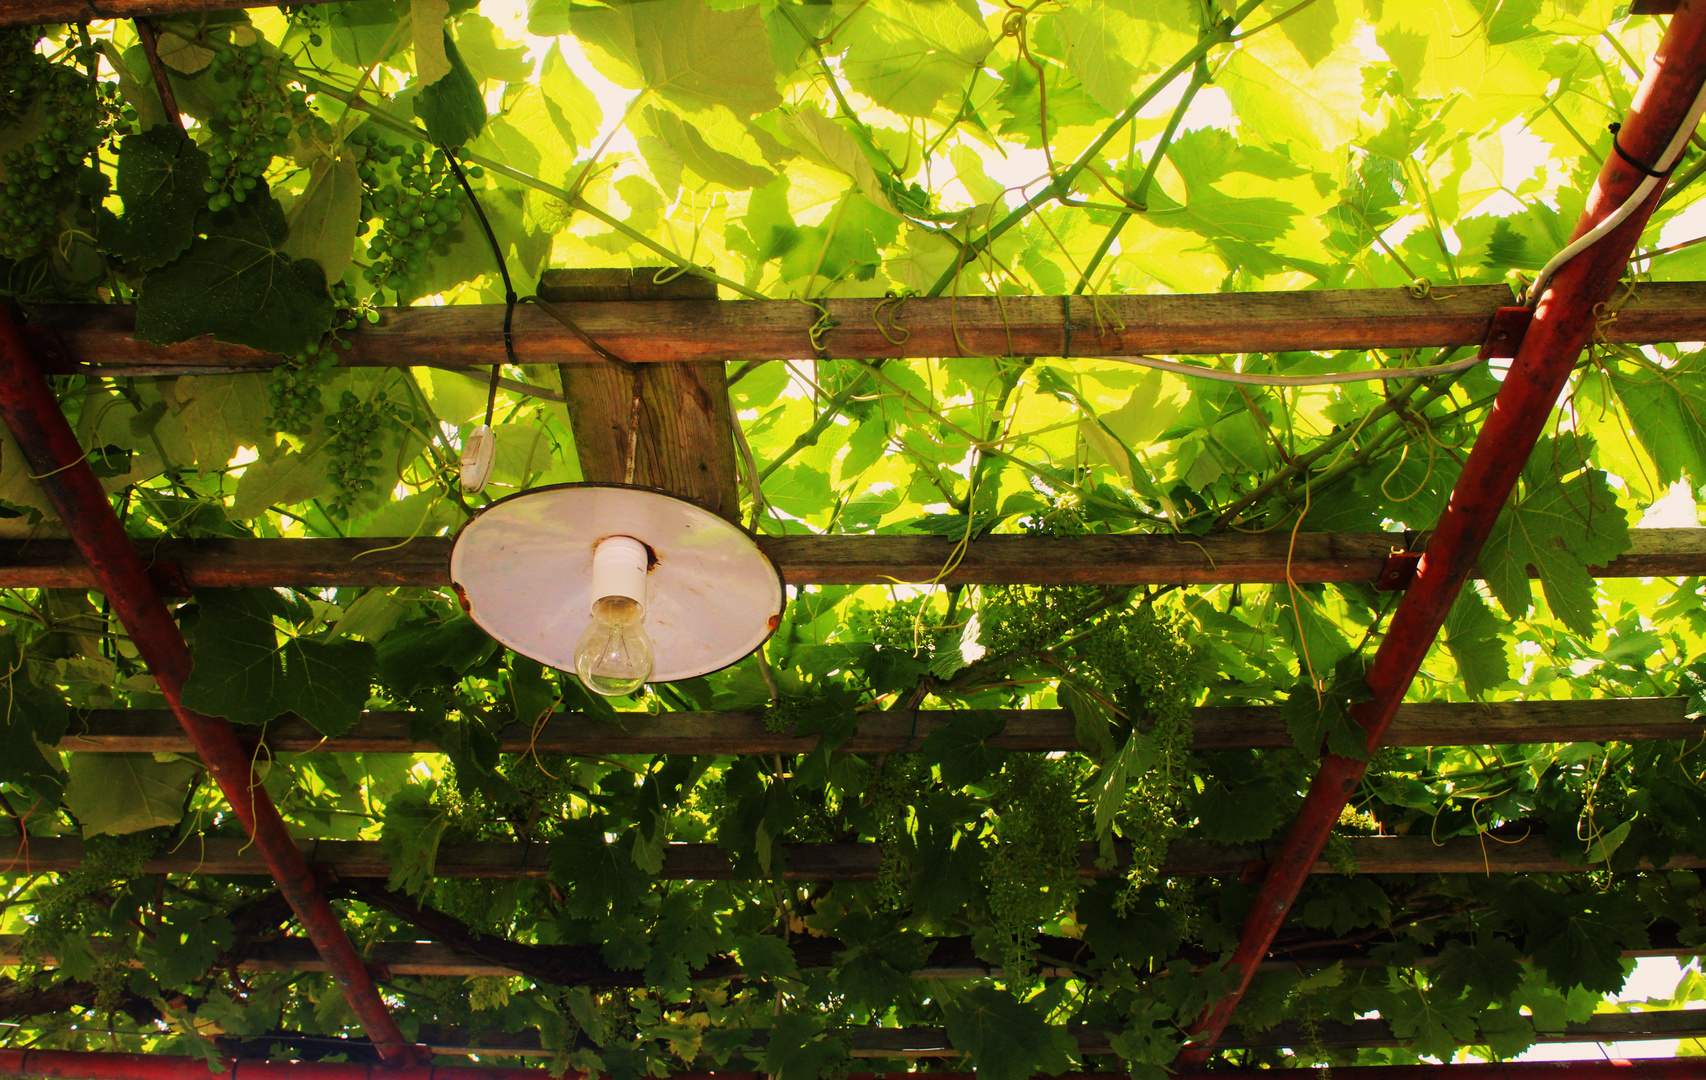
29	12
147	731
1126	559
739	330
807	862
685	443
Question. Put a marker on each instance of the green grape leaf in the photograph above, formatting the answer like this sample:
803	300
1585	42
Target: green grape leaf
327	683
238	284
797	1049
184	948
323	219
409	834
1491	967
286	480
237	665
766	956
1313	717
427	25
1667	412
117	794
686	52
909	56
1432	1023
220	414
35	720
958	747
1579	940
1505	1031
1473	636
601	875
160	176
1559	528
1239	813
452	108
1693	683
676	138
244	675
1006	1038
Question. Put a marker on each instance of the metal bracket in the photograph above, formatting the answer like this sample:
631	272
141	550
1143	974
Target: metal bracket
1399	571
169	580
1504	336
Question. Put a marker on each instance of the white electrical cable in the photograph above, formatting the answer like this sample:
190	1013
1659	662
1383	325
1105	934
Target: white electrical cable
1621	214
1328	379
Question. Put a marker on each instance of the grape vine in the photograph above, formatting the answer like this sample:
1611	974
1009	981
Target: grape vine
64	117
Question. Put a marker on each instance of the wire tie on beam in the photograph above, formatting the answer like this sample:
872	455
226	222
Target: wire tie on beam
1631	162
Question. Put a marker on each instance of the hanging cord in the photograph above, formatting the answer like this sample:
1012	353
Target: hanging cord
510	299
1654	177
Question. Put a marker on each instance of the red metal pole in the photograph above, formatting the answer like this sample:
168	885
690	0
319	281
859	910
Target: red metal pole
80	1065
32	412
1563	326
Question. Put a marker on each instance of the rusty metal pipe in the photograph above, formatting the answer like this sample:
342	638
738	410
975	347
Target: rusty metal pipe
1563	326
32	412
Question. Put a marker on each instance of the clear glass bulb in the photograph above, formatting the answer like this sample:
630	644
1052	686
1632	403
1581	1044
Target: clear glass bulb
614	656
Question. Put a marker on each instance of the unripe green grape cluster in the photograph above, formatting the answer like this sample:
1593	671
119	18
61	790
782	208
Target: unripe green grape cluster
39	177
413	193
253	129
294	392
357	433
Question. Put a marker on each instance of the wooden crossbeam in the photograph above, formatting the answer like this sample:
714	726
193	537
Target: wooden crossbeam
808	862
433	958
470	335
1222	727
1124	559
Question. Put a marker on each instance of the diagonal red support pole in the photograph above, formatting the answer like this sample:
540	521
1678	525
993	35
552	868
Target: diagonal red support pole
32	412
1562	327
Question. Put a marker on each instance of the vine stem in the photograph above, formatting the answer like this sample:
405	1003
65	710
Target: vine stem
162	81
831	409
1140	194
1062	184
1301	464
355	100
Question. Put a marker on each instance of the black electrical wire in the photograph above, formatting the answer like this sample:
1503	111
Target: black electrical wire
510	298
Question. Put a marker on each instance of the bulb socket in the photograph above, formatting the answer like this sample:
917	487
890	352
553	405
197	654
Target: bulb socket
619	567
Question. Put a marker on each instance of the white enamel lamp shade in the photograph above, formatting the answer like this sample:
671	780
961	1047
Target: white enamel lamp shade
524	568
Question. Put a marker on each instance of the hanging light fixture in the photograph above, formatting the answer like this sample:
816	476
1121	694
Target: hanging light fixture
622	585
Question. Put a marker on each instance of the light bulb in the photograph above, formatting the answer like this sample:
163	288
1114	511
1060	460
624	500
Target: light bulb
614	655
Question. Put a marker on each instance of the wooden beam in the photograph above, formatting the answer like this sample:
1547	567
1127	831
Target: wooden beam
1124	559
223	855
1225	727
470	335
34	12
685	441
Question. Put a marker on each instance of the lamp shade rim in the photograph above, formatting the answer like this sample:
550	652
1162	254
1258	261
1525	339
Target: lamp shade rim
522	569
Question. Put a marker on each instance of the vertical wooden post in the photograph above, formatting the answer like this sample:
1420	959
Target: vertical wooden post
686	442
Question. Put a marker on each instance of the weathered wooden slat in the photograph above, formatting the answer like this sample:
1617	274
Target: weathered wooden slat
741	330
438	958
28	12
805	862
149	731
1125	559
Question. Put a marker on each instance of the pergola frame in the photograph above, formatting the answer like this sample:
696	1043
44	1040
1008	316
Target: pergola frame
1563	323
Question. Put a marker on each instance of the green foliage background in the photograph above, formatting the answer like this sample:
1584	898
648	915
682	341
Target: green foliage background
805	150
